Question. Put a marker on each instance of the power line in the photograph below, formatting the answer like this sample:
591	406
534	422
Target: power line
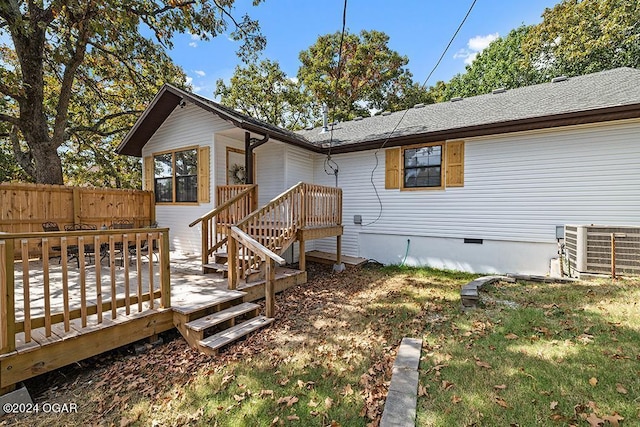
330	164
424	84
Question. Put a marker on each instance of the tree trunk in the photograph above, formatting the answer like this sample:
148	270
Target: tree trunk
47	164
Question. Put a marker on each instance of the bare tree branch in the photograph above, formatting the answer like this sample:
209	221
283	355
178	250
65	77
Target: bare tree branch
25	159
8	91
230	16
9	119
170	7
64	98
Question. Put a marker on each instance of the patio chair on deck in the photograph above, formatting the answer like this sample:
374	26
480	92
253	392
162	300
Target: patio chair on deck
88	247
144	247
122	224
48	227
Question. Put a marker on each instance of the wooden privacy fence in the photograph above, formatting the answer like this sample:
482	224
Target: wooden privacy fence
55	297
24	207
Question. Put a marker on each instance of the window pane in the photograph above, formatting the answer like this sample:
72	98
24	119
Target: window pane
425	156
164	190
422	177
187	188
163	165
422	166
186	163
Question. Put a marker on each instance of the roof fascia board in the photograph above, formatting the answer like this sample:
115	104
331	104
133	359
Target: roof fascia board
280	136
165	88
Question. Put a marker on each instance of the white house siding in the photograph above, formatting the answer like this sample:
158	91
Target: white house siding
281	166
270	171
188	126
517	188
298	168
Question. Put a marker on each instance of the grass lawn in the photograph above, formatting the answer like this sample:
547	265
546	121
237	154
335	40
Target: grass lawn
534	354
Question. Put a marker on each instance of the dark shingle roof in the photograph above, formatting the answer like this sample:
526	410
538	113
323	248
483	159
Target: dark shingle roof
607	95
592	92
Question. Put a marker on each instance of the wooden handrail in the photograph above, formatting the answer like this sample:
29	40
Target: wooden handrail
272	202
255	246
270	257
223	206
215	223
269	231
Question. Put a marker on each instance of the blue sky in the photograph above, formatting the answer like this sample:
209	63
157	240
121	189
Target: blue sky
419	29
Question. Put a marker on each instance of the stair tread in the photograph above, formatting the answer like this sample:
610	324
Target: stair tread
229	335
216	266
221	297
219	317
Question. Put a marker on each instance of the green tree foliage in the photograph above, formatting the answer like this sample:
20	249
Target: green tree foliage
265	92
576	37
77	73
403	94
585	36
370	73
502	64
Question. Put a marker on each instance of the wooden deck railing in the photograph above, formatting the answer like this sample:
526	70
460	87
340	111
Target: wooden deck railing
234	203
239	240
39	298
275	225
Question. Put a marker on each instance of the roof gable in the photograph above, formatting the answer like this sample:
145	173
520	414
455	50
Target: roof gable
169	97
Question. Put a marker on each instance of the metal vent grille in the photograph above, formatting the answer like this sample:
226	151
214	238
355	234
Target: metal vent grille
589	249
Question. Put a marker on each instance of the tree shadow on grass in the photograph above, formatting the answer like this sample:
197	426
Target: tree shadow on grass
563	354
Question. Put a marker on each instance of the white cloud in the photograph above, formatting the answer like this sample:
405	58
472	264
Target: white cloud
293	79
193	44
195	37
200	73
480	43
194	88
475	45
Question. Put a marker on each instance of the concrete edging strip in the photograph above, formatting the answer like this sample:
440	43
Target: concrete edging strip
402	398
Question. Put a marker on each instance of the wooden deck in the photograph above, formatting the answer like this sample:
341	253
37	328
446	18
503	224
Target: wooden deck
53	314
189	289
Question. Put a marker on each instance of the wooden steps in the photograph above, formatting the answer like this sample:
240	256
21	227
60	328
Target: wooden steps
211	344
216	323
204	323
214	267
224	296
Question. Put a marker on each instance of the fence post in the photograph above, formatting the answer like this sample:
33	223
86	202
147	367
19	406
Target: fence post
165	270
254	198
7	280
